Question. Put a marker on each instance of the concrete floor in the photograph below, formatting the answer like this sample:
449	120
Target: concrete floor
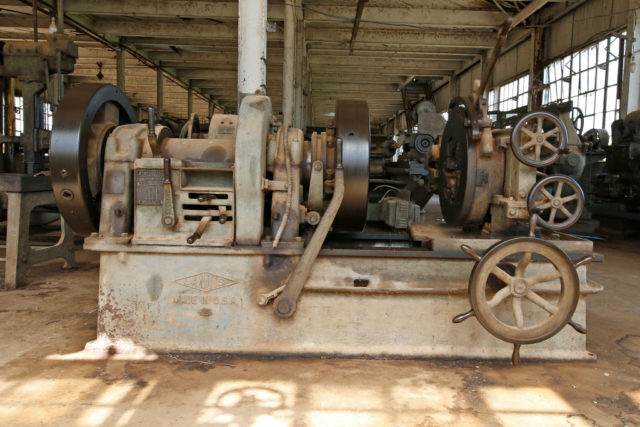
56	315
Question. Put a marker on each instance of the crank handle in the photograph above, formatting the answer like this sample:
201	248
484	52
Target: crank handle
200	230
266	298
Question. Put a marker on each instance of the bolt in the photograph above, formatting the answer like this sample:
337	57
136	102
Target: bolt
283	307
512	212
522	194
317	166
118	212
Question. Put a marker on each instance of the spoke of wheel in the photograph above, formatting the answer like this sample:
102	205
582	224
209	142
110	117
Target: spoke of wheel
569	198
542	278
552	215
517	312
540	122
528	132
565	211
528	145
549	146
559	189
541	302
544	205
499	297
502	275
552	132
523	264
546	193
538	150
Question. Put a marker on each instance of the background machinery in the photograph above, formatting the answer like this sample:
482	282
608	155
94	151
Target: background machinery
38	67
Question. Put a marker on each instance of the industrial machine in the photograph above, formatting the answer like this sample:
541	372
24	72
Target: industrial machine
24	165
254	239
616	178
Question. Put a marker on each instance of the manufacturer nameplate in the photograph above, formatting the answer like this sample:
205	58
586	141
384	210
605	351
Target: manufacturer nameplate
148	187
206	282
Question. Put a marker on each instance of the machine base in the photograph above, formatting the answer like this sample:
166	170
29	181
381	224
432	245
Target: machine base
385	303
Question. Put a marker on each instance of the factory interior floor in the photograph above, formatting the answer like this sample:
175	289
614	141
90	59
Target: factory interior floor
43	324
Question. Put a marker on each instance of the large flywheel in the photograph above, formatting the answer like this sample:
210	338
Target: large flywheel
467	179
85	118
352	125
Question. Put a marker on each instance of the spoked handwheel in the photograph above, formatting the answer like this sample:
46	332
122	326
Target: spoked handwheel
558	200
538	139
533	300
577	118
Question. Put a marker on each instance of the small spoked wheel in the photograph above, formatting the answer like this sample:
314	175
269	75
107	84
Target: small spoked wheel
538	139
536	300
577	118
558	200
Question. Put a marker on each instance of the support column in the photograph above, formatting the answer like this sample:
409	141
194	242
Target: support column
298	115
120	69
189	100
60	16
58	77
252	47
9	103
630	98
536	68
159	93
453	87
212	108
288	66
32	114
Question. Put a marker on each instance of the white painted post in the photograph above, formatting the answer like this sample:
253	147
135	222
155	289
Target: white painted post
288	66
252	47
631	84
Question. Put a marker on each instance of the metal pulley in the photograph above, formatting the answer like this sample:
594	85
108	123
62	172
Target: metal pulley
353	127
84	120
467	179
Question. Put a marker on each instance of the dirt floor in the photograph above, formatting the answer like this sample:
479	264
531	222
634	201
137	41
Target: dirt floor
55	315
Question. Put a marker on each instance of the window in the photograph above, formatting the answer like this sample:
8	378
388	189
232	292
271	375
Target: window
590	79
47	115
17	105
510	96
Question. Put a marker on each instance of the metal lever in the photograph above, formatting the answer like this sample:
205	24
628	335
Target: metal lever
285	304
200	230
153	139
168	213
